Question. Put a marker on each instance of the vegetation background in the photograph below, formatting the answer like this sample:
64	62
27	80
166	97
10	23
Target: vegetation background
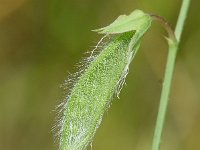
40	41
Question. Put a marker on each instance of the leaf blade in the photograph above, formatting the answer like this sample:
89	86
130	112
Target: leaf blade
136	21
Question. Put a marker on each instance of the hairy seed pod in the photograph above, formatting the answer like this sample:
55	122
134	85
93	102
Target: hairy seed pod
91	95
103	77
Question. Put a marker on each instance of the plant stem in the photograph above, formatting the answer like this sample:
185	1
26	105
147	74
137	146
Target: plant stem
165	25
173	48
181	19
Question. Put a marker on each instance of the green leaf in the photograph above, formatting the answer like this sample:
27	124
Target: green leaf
136	21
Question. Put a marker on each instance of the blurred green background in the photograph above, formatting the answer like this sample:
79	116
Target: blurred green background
41	40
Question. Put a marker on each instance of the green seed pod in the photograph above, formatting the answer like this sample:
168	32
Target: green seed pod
92	92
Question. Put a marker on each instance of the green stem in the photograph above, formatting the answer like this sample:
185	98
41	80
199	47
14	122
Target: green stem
173	48
181	19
